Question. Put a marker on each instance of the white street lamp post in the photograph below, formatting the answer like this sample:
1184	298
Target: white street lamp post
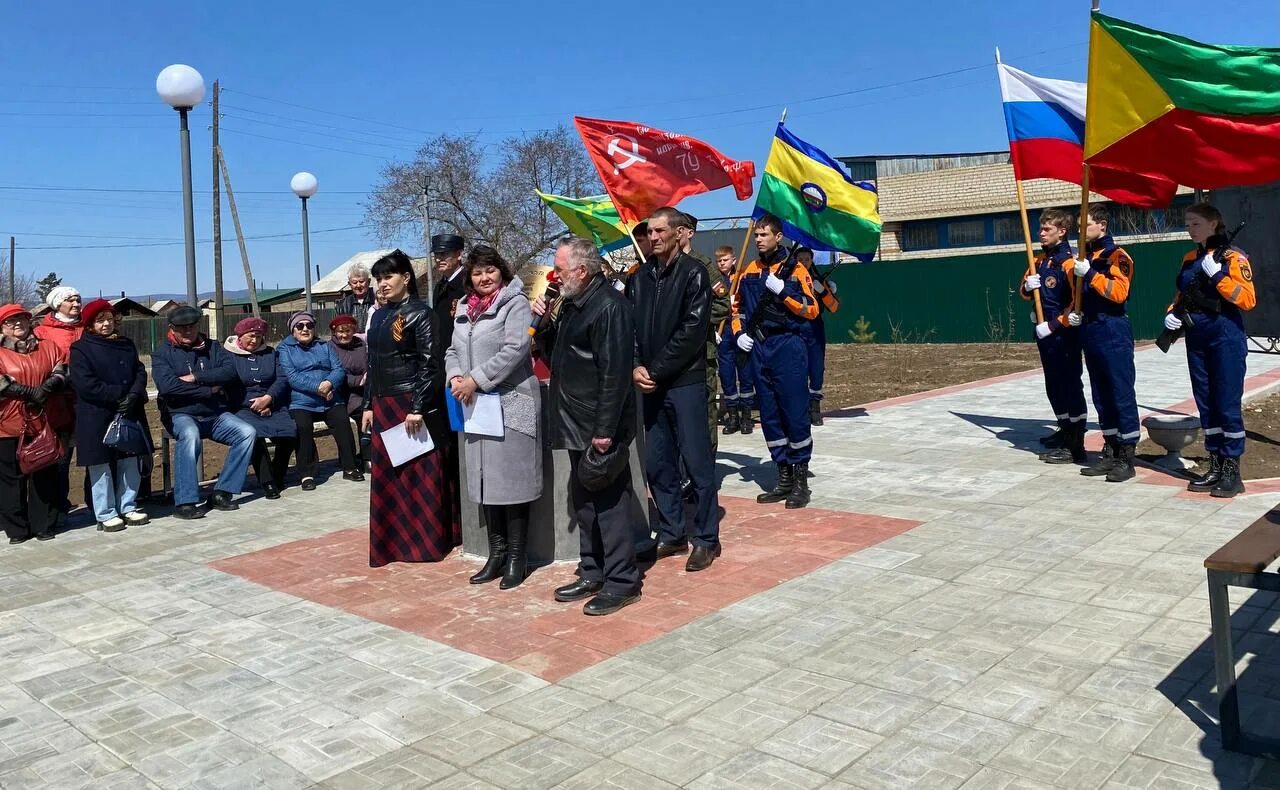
304	185
182	88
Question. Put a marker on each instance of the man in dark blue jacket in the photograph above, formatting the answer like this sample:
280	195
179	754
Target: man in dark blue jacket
190	374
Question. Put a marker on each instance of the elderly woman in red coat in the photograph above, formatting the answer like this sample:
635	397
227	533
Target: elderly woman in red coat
30	371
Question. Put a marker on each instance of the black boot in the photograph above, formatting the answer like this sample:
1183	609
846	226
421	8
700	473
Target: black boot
495	527
745	420
1072	452
1104	462
517	534
1122	469
1209	480
815	412
1230	484
731	423
786	482
1055	440
799	496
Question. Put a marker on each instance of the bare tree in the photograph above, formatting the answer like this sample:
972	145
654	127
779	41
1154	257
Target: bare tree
486	193
24	290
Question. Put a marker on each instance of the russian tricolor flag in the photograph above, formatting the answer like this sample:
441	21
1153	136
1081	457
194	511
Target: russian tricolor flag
1045	119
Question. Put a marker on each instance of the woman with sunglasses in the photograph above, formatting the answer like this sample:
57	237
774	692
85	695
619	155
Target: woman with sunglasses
315	380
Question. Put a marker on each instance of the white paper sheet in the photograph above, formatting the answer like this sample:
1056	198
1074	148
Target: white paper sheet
484	416
402	447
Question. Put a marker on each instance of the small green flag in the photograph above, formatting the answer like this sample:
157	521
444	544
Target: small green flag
593	218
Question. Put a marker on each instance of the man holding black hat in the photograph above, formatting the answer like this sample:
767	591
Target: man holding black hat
190	374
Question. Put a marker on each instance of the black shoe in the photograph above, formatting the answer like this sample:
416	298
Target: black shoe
517	568
1054	440
354	475
188	511
608	603
647	556
731	423
1104	462
497	555
221	500
1122	469
271	491
578	590
23	539
1209	480
746	423
815	412
701	558
1230	484
799	496
786	481
1071	452
671	549
308	484
46	535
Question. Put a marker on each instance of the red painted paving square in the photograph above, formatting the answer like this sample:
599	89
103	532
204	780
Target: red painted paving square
764	545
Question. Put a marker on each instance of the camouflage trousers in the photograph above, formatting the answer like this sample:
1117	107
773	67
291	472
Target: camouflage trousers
713	395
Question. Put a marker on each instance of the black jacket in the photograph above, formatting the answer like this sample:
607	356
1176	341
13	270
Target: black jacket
672	304
206	397
400	359
448	295
104	372
591	353
357	308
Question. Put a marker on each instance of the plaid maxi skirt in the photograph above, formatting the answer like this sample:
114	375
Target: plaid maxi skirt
410	516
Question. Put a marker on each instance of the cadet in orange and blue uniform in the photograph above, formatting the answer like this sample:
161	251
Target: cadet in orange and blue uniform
737	382
779	353
816	339
1107	338
1215	289
1058	341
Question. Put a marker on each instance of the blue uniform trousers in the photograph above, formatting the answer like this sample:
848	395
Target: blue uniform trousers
816	351
737	383
675	430
1216	352
781	388
1108	354
1060	356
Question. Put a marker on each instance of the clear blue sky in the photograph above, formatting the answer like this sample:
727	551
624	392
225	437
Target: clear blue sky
78	107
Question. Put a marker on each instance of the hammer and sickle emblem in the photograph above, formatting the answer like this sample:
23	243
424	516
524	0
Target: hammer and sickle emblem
629	157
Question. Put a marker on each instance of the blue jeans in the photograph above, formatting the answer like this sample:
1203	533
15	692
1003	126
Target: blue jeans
190	432
115	495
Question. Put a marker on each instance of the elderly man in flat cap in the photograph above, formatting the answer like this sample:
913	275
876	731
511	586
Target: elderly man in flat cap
450	291
191	375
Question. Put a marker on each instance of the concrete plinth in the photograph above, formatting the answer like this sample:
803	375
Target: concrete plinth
553	532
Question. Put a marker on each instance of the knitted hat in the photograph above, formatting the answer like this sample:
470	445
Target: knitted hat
91	311
250	324
339	320
11	310
301	315
59	295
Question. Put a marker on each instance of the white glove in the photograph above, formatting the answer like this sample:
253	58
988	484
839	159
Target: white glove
832	287
1032	282
1043	330
773	283
717	338
1032	316
1082	267
817	286
1172	322
746	342
1074	319
1209	266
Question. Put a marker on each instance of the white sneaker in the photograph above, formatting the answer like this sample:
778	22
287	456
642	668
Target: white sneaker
111	525
136	517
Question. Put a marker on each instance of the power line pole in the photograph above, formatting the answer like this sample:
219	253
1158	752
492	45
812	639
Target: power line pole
426	237
217	222
13	283
244	251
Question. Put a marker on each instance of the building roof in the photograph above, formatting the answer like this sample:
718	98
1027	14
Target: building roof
163	304
131	305
335	282
267	296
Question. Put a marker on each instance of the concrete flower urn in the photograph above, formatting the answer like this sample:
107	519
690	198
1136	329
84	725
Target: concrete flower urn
1173	432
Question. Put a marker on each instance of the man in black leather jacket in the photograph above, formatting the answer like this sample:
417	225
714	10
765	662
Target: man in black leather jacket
671	297
591	343
450	291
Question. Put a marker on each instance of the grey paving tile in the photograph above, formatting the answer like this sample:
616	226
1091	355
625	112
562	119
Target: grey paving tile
1144	773
876	710
995	779
677	754
1051	758
540	762
608	729
969	735
474	739
743	719
612	775
820	744
758	770
901	762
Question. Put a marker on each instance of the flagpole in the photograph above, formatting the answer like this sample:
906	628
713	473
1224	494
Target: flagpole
1083	221
1031	253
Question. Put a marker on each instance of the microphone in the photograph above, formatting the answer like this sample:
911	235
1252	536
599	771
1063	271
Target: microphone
551	295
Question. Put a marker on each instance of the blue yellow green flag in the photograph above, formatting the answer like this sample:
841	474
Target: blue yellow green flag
594	218
819	205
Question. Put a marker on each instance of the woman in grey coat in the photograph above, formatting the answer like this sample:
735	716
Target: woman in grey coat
490	354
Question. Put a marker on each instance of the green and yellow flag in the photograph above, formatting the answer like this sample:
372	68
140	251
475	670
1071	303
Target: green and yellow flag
819	205
593	218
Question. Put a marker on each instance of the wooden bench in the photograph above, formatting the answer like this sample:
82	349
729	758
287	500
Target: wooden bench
1242	562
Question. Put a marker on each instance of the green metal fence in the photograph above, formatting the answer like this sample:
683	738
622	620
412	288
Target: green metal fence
973	298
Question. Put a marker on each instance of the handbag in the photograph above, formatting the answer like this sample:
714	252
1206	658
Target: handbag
39	446
127	437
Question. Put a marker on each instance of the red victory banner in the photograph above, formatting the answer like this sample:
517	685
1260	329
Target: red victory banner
644	169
